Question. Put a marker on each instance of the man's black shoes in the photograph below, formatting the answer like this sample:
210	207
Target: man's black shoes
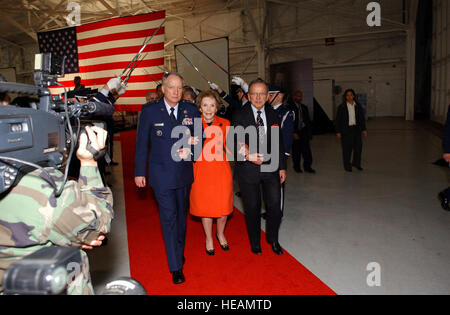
178	277
444	201
359	168
277	248
256	250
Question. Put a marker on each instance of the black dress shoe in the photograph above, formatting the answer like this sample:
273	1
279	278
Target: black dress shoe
444	201
348	169
178	277
298	170
277	248
256	250
210	252
225	246
310	170
358	167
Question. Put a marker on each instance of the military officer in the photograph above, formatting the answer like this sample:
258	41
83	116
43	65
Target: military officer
170	175
287	120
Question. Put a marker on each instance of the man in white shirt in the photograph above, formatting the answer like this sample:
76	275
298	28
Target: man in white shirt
350	124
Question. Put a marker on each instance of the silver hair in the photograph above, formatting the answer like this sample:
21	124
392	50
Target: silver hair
167	74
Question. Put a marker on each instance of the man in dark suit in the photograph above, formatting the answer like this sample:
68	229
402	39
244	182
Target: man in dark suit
444	196
169	169
350	123
301	146
264	165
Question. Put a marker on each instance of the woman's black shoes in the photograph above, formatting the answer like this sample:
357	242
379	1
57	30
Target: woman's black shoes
225	246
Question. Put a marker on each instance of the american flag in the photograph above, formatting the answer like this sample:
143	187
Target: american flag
101	50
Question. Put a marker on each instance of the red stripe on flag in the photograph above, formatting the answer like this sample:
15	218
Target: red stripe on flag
127	108
136	93
103	81
119	36
119	51
121	65
122	21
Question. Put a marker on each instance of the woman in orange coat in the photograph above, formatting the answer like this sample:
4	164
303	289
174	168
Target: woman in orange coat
212	191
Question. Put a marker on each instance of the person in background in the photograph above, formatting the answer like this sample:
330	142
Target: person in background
78	85
151	96
189	94
287	125
350	124
159	91
444	196
303	134
212	191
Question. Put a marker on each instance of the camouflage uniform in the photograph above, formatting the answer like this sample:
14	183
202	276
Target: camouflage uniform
32	218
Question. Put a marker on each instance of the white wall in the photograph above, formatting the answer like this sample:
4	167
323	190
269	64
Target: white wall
441	61
369	60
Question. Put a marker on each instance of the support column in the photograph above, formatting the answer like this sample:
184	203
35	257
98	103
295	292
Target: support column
411	60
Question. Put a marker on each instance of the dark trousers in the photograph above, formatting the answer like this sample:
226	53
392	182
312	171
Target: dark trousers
172	206
352	142
251	197
302	148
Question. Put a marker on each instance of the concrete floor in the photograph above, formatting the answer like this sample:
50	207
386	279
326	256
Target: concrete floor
337	223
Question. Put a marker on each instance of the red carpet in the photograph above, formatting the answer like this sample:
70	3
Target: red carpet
236	272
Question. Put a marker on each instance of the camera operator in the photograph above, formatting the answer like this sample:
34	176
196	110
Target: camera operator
31	217
109	94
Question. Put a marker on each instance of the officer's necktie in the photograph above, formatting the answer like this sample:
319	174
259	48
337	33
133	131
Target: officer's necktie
260	125
172	115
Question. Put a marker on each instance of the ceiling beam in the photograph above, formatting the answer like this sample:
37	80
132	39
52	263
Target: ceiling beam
107	6
13	22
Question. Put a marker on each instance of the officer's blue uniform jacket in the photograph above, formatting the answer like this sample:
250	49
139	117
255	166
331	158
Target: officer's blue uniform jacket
287	120
154	134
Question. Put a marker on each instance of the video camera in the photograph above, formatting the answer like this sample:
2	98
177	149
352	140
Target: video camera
45	136
50	270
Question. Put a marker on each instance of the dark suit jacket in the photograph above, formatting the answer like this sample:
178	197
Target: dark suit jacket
247	171
307	129
446	140
342	119
154	131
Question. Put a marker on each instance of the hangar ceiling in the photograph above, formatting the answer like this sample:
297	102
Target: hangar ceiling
22	19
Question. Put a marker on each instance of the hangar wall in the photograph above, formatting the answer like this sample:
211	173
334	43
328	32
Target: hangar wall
369	59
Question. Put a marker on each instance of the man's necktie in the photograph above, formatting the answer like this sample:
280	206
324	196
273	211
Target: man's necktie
260	125
172	115
301	124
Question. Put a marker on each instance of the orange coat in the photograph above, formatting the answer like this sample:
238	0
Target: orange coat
212	190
